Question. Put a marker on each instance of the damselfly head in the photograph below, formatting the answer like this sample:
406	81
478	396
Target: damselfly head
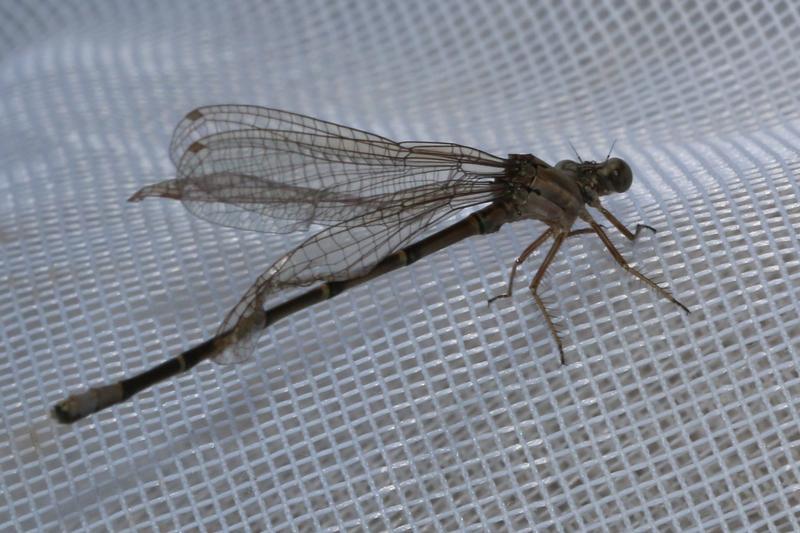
614	175
600	177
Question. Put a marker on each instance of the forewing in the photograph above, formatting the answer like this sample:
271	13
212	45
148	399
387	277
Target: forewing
209	120
268	170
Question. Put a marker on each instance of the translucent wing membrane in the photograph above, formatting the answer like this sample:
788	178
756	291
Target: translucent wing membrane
343	251
268	170
206	121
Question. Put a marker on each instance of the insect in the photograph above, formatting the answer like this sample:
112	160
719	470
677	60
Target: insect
374	203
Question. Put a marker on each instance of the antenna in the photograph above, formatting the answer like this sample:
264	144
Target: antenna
613	143
576	151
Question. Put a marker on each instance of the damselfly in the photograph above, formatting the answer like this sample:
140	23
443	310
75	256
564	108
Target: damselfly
375	203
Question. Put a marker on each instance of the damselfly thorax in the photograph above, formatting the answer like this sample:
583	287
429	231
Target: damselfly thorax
378	203
559	195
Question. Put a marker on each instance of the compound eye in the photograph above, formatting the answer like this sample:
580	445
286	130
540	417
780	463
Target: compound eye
619	174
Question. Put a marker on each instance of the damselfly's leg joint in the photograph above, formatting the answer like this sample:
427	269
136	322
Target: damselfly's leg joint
640	227
496	297
534	288
621	261
631	236
518	261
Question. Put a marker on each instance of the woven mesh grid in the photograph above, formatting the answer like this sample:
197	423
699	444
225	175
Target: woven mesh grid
406	403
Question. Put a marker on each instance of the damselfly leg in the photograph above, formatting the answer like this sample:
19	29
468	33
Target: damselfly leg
594	228
526	253
621	227
621	261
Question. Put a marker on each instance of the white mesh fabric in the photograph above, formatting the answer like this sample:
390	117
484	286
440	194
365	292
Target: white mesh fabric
407	403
